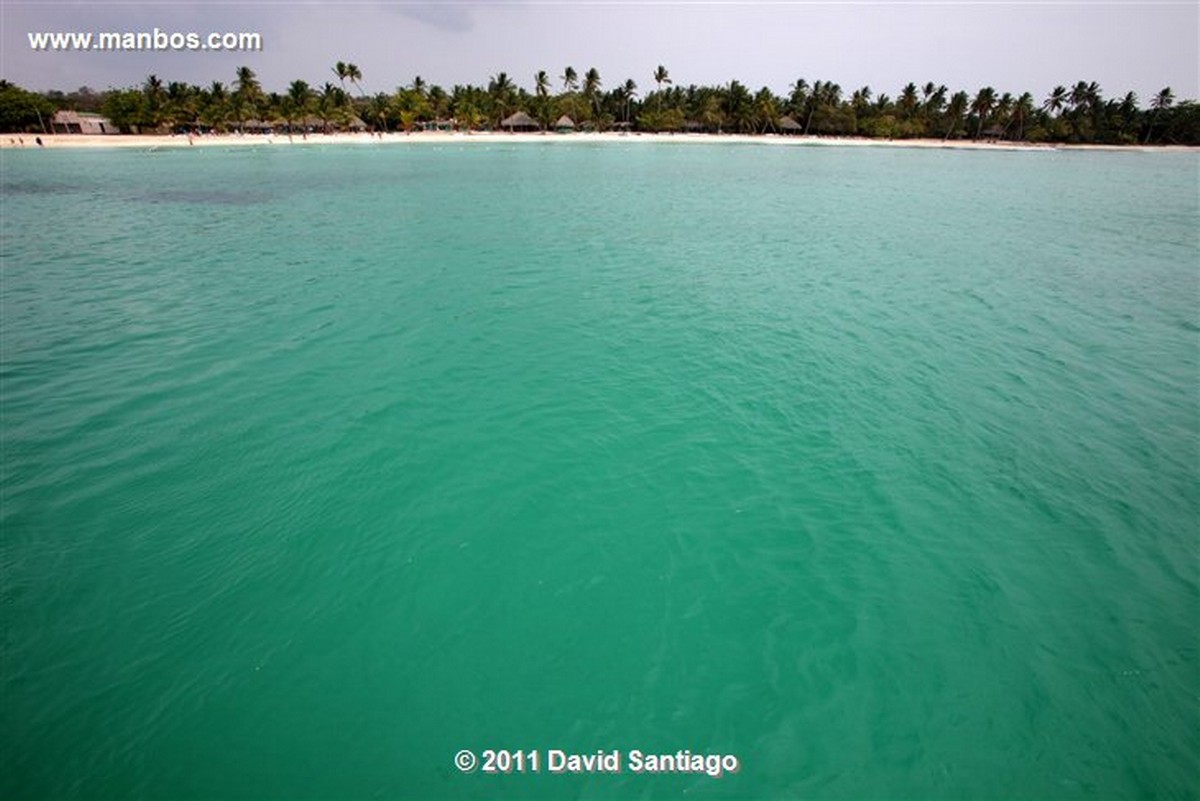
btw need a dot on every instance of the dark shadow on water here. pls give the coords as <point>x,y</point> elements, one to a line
<point>208,197</point>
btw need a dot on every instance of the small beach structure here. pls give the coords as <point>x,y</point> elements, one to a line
<point>520,122</point>
<point>81,122</point>
<point>789,126</point>
<point>314,124</point>
<point>564,124</point>
<point>254,126</point>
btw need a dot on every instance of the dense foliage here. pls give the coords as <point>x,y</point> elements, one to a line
<point>1076,114</point>
<point>21,110</point>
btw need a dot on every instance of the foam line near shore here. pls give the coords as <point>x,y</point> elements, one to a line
<point>86,141</point>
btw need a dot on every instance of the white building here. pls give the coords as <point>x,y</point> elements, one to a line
<point>81,122</point>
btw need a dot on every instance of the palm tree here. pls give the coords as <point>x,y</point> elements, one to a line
<point>1084,97</point>
<point>1004,108</point>
<point>247,94</point>
<point>354,75</point>
<point>826,97</point>
<point>934,103</point>
<point>739,107</point>
<point>1022,111</point>
<point>469,116</point>
<point>908,100</point>
<point>710,112</point>
<point>798,97</point>
<point>330,101</point>
<point>181,104</point>
<point>501,89</point>
<point>860,102</point>
<point>152,89</point>
<point>766,109</point>
<point>628,92</point>
<point>1056,100</point>
<point>419,85</point>
<point>216,105</point>
<point>296,104</point>
<point>570,80</point>
<point>339,69</point>
<point>1127,110</point>
<point>1164,99</point>
<point>661,76</point>
<point>591,90</point>
<point>811,102</point>
<point>954,111</point>
<point>541,87</point>
<point>983,104</point>
<point>833,99</point>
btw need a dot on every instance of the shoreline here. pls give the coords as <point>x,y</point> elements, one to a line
<point>153,142</point>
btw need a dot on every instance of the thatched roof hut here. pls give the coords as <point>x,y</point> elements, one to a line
<point>564,124</point>
<point>789,126</point>
<point>520,122</point>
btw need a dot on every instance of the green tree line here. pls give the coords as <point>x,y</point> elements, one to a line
<point>1080,113</point>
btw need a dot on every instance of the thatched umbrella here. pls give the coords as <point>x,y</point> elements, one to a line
<point>564,124</point>
<point>789,126</point>
<point>520,122</point>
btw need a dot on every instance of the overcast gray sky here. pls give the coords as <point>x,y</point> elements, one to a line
<point>1012,46</point>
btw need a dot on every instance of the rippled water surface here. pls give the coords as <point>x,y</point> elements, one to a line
<point>875,468</point>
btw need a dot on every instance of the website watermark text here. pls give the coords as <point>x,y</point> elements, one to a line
<point>156,40</point>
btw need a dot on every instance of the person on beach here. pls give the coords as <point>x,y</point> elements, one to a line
<point>39,142</point>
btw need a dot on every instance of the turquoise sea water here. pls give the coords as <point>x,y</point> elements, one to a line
<point>878,469</point>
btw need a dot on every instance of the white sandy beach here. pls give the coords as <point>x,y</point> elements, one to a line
<point>148,142</point>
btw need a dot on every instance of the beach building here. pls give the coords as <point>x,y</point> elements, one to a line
<point>564,124</point>
<point>520,122</point>
<point>255,126</point>
<point>789,126</point>
<point>81,122</point>
<point>314,124</point>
